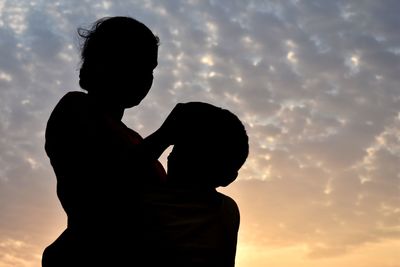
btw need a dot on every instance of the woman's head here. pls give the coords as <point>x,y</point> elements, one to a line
<point>118,57</point>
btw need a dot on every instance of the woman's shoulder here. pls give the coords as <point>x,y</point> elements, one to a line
<point>73,99</point>
<point>70,107</point>
<point>75,95</point>
<point>70,102</point>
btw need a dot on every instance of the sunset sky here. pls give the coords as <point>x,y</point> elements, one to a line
<point>316,83</point>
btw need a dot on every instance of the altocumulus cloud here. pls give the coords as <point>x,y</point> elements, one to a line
<point>315,82</point>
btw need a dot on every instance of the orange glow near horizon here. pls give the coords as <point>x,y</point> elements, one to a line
<point>256,253</point>
<point>384,253</point>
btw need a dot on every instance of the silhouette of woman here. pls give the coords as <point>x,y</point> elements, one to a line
<point>97,160</point>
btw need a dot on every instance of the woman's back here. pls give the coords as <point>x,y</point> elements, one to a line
<point>99,177</point>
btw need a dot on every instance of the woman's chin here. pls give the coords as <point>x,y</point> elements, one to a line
<point>132,103</point>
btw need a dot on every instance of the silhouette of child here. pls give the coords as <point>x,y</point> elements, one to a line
<point>188,222</point>
<point>98,162</point>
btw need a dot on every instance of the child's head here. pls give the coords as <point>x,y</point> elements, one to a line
<point>118,57</point>
<point>210,148</point>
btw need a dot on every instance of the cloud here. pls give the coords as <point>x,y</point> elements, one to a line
<point>316,85</point>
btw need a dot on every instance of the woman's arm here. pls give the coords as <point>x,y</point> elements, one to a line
<point>156,143</point>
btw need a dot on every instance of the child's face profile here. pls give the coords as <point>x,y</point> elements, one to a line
<point>183,163</point>
<point>189,163</point>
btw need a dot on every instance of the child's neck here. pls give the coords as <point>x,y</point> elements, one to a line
<point>183,183</point>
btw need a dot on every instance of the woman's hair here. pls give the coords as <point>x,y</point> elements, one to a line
<point>111,40</point>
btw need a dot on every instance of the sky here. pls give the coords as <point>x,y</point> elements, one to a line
<point>316,83</point>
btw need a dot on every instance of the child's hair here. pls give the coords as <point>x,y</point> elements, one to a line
<point>216,138</point>
<point>109,40</point>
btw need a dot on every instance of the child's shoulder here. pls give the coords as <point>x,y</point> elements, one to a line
<point>230,213</point>
<point>228,203</point>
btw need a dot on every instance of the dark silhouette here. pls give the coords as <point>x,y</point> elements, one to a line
<point>122,208</point>
<point>189,223</point>
<point>100,164</point>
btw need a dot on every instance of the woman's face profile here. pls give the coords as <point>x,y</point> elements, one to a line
<point>129,78</point>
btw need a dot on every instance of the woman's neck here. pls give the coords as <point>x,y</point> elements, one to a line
<point>106,106</point>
